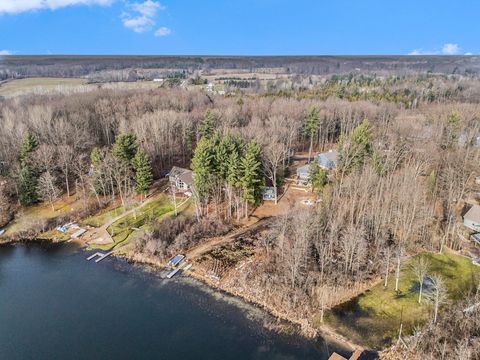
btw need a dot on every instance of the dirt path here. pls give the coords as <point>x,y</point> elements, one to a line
<point>217,241</point>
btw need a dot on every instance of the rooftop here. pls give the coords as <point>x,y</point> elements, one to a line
<point>473,214</point>
<point>182,174</point>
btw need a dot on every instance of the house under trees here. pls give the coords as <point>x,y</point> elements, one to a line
<point>181,179</point>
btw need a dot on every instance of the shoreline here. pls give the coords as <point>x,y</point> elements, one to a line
<point>303,328</point>
<point>149,264</point>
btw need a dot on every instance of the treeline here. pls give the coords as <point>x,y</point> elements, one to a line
<point>75,66</point>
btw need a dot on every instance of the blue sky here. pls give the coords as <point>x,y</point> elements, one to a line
<point>239,27</point>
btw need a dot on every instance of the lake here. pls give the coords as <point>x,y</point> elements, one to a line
<point>56,305</point>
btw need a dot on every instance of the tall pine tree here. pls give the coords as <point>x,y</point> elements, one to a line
<point>143,172</point>
<point>27,176</point>
<point>203,167</point>
<point>125,147</point>
<point>252,178</point>
<point>207,126</point>
<point>355,148</point>
<point>29,145</point>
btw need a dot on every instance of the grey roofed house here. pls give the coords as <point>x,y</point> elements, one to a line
<point>181,178</point>
<point>303,172</point>
<point>328,160</point>
<point>471,219</point>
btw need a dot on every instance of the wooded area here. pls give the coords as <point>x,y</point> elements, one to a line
<point>407,162</point>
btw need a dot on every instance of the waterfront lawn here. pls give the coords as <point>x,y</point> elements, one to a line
<point>103,217</point>
<point>35,216</point>
<point>125,229</point>
<point>373,318</point>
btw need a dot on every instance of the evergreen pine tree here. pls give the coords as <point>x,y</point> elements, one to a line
<point>96,156</point>
<point>207,126</point>
<point>125,147</point>
<point>143,172</point>
<point>252,178</point>
<point>29,145</point>
<point>355,148</point>
<point>27,185</point>
<point>203,164</point>
<point>318,177</point>
<point>27,177</point>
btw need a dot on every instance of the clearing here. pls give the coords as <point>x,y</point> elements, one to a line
<point>374,317</point>
<point>38,84</point>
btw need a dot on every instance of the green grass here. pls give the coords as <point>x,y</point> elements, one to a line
<point>132,225</point>
<point>374,318</point>
<point>103,217</point>
<point>46,83</point>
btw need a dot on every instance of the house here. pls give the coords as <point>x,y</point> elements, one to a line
<point>303,175</point>
<point>181,179</point>
<point>471,219</point>
<point>328,160</point>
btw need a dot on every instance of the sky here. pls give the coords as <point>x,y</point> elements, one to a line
<point>239,27</point>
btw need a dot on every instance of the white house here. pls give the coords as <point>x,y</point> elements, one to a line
<point>181,178</point>
<point>472,218</point>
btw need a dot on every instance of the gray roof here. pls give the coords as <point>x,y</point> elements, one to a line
<point>305,169</point>
<point>473,214</point>
<point>330,155</point>
<point>182,174</point>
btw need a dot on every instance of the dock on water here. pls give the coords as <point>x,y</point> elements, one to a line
<point>100,256</point>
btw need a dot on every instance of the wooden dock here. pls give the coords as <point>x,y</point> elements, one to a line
<point>100,256</point>
<point>173,273</point>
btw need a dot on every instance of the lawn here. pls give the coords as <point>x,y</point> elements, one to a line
<point>33,216</point>
<point>132,225</point>
<point>373,319</point>
<point>46,83</point>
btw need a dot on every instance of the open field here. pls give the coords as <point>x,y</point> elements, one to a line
<point>374,318</point>
<point>41,85</point>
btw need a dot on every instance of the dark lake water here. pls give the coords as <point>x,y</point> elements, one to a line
<point>56,305</point>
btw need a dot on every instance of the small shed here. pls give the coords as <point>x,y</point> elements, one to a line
<point>269,193</point>
<point>328,160</point>
<point>471,219</point>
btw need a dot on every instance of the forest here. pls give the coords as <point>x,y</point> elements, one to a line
<point>409,153</point>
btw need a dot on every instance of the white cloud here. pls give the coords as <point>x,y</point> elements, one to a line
<point>19,6</point>
<point>447,49</point>
<point>141,16</point>
<point>450,49</point>
<point>5,52</point>
<point>163,31</point>
<point>139,24</point>
<point>468,53</point>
